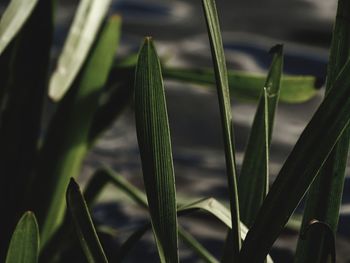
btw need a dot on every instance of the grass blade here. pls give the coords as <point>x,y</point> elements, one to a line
<point>219,62</point>
<point>254,177</point>
<point>13,19</point>
<point>294,89</point>
<point>196,246</point>
<point>155,149</point>
<point>316,229</point>
<point>24,245</point>
<point>325,194</point>
<point>67,140</point>
<point>210,205</point>
<point>83,225</point>
<point>300,169</point>
<point>83,32</point>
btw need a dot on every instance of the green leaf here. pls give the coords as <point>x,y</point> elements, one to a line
<point>196,246</point>
<point>316,229</point>
<point>254,177</point>
<point>13,19</point>
<point>24,245</point>
<point>300,169</point>
<point>67,140</point>
<point>220,70</point>
<point>155,149</point>
<point>82,34</point>
<point>103,176</point>
<point>325,194</point>
<point>294,89</point>
<point>83,224</point>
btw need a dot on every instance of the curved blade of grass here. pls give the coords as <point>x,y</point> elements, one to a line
<point>81,37</point>
<point>321,230</point>
<point>254,177</point>
<point>83,224</point>
<point>220,70</point>
<point>13,19</point>
<point>325,194</point>
<point>67,139</point>
<point>300,169</point>
<point>196,246</point>
<point>155,149</point>
<point>24,245</point>
<point>103,176</point>
<point>294,89</point>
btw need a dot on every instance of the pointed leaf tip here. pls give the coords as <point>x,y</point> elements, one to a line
<point>276,49</point>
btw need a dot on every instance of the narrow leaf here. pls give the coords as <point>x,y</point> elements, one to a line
<point>13,19</point>
<point>254,176</point>
<point>81,37</point>
<point>294,89</point>
<point>325,194</point>
<point>155,149</point>
<point>195,245</point>
<point>300,169</point>
<point>83,225</point>
<point>67,140</point>
<point>312,233</point>
<point>24,245</point>
<point>219,62</point>
<point>210,205</point>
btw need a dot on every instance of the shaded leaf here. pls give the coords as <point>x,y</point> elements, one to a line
<point>312,233</point>
<point>220,70</point>
<point>83,224</point>
<point>254,177</point>
<point>300,169</point>
<point>325,194</point>
<point>155,149</point>
<point>21,100</point>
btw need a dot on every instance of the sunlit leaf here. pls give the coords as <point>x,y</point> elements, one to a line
<point>82,34</point>
<point>24,245</point>
<point>13,19</point>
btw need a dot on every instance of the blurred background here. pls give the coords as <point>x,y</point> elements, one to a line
<point>250,29</point>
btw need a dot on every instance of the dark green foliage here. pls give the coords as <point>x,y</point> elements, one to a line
<point>155,148</point>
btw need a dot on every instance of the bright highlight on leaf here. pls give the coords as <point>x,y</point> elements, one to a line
<point>82,34</point>
<point>155,148</point>
<point>13,19</point>
<point>24,245</point>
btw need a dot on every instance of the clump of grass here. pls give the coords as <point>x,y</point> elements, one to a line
<point>90,91</point>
